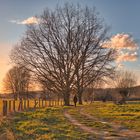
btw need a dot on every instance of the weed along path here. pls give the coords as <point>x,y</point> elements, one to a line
<point>103,130</point>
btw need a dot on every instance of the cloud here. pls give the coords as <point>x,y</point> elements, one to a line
<point>121,41</point>
<point>28,21</point>
<point>125,47</point>
<point>123,57</point>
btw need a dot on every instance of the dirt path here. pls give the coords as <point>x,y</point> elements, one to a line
<point>75,122</point>
<point>120,132</point>
<point>101,135</point>
<point>113,125</point>
<point>118,129</point>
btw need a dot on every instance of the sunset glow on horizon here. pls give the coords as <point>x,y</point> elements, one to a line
<point>4,62</point>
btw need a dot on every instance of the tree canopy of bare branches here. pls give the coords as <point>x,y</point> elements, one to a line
<point>17,81</point>
<point>124,81</point>
<point>65,50</point>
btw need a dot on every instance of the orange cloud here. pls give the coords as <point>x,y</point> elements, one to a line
<point>125,46</point>
<point>121,41</point>
<point>127,57</point>
<point>30,20</point>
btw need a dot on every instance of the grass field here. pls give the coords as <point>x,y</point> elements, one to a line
<point>50,123</point>
<point>127,115</point>
<point>42,124</point>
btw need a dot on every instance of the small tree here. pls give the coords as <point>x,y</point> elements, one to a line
<point>17,81</point>
<point>124,81</point>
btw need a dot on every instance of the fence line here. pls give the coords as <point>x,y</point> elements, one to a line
<point>11,106</point>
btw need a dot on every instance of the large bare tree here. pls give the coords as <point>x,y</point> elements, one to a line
<point>124,81</point>
<point>17,81</point>
<point>65,50</point>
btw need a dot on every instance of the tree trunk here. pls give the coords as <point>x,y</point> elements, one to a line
<point>80,97</point>
<point>123,101</point>
<point>67,99</point>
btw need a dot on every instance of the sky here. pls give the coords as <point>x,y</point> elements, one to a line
<point>121,15</point>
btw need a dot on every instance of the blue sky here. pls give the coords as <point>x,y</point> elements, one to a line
<point>121,15</point>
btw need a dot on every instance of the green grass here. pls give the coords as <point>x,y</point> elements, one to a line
<point>44,124</point>
<point>49,123</point>
<point>127,115</point>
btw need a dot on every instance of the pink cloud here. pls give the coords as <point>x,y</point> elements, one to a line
<point>121,41</point>
<point>127,57</point>
<point>30,20</point>
<point>125,46</point>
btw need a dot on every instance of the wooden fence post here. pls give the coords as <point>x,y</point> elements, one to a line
<point>9,106</point>
<point>4,108</point>
<point>24,104</point>
<point>42,103</point>
<point>39,103</point>
<point>35,104</point>
<point>28,104</point>
<point>45,103</point>
<point>21,104</point>
<point>14,109</point>
<point>20,107</point>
